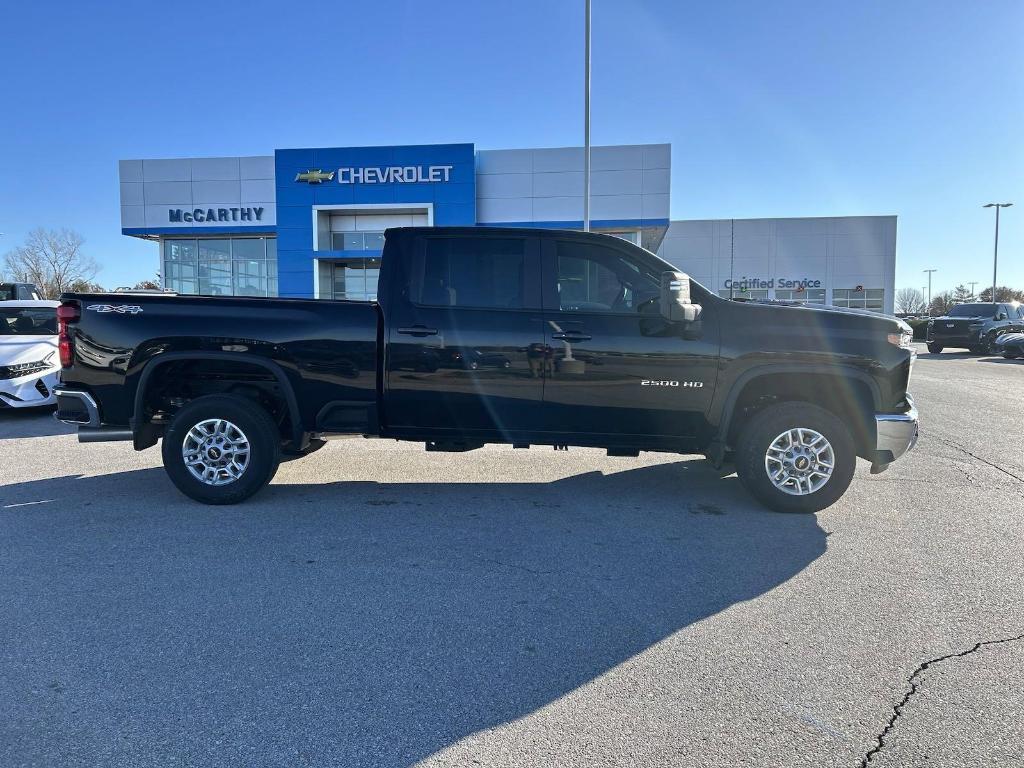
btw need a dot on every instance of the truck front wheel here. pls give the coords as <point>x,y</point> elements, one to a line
<point>795,457</point>
<point>220,449</point>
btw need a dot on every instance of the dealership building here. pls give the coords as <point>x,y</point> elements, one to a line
<point>310,222</point>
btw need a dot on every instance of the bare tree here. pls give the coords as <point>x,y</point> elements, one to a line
<point>941,304</point>
<point>53,260</point>
<point>909,301</point>
<point>147,285</point>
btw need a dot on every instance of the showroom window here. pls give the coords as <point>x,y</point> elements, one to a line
<point>351,279</point>
<point>357,241</point>
<point>221,266</point>
<point>859,298</point>
<point>751,294</point>
<point>806,296</point>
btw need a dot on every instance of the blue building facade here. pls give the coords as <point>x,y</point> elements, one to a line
<point>309,222</point>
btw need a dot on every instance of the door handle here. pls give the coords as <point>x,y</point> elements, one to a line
<point>571,336</point>
<point>418,330</point>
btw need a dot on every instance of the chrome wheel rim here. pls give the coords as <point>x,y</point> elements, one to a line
<point>799,461</point>
<point>216,452</point>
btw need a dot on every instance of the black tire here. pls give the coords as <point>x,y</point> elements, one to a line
<point>259,430</point>
<point>934,348</point>
<point>1010,355</point>
<point>765,427</point>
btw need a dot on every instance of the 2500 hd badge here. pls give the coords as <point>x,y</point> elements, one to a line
<point>656,383</point>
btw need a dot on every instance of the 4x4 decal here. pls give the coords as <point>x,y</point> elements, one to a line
<point>121,309</point>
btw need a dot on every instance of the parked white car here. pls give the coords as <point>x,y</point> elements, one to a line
<point>29,363</point>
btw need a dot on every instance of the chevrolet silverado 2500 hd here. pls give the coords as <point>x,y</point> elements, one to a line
<point>491,335</point>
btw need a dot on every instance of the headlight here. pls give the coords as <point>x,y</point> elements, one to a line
<point>25,369</point>
<point>902,339</point>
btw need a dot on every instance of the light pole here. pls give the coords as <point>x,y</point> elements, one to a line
<point>972,283</point>
<point>586,124</point>
<point>929,271</point>
<point>732,259</point>
<point>995,251</point>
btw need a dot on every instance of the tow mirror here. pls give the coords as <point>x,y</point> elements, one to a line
<point>676,306</point>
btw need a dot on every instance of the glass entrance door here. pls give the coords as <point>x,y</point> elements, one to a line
<point>355,279</point>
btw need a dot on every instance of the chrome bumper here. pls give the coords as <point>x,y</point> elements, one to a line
<point>897,434</point>
<point>87,414</point>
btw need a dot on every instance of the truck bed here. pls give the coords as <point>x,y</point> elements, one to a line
<point>327,350</point>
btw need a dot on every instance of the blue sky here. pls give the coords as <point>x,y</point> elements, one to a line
<point>773,109</point>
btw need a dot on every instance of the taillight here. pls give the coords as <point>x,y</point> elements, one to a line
<point>68,312</point>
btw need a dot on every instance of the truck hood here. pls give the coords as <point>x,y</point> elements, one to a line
<point>961,317</point>
<point>25,349</point>
<point>875,318</point>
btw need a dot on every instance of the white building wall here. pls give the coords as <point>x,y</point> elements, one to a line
<point>842,252</point>
<point>546,185</point>
<point>152,188</point>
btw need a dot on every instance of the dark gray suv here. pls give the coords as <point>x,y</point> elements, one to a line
<point>974,326</point>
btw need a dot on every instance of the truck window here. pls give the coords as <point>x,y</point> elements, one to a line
<point>598,279</point>
<point>483,272</point>
<point>28,322</point>
<point>972,310</point>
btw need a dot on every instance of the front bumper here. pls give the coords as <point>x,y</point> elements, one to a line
<point>29,391</point>
<point>896,434</point>
<point>959,339</point>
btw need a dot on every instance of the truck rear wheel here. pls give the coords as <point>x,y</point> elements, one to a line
<point>934,348</point>
<point>796,457</point>
<point>220,449</point>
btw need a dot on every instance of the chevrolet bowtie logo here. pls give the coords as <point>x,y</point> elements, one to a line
<point>314,177</point>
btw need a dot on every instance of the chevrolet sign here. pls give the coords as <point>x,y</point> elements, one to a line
<point>395,174</point>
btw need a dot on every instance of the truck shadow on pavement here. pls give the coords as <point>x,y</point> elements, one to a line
<point>16,423</point>
<point>353,623</point>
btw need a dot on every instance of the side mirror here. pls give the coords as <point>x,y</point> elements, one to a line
<point>1001,316</point>
<point>675,299</point>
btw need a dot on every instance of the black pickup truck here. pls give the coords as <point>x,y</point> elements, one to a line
<point>491,335</point>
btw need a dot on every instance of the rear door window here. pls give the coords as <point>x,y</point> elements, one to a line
<point>480,272</point>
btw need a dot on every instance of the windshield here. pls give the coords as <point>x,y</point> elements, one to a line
<point>972,310</point>
<point>35,321</point>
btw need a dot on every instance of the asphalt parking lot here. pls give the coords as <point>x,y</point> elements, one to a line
<point>379,605</point>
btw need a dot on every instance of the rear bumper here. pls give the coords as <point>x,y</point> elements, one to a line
<point>77,407</point>
<point>896,434</point>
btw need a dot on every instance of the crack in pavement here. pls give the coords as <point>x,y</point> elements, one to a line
<point>982,459</point>
<point>897,709</point>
